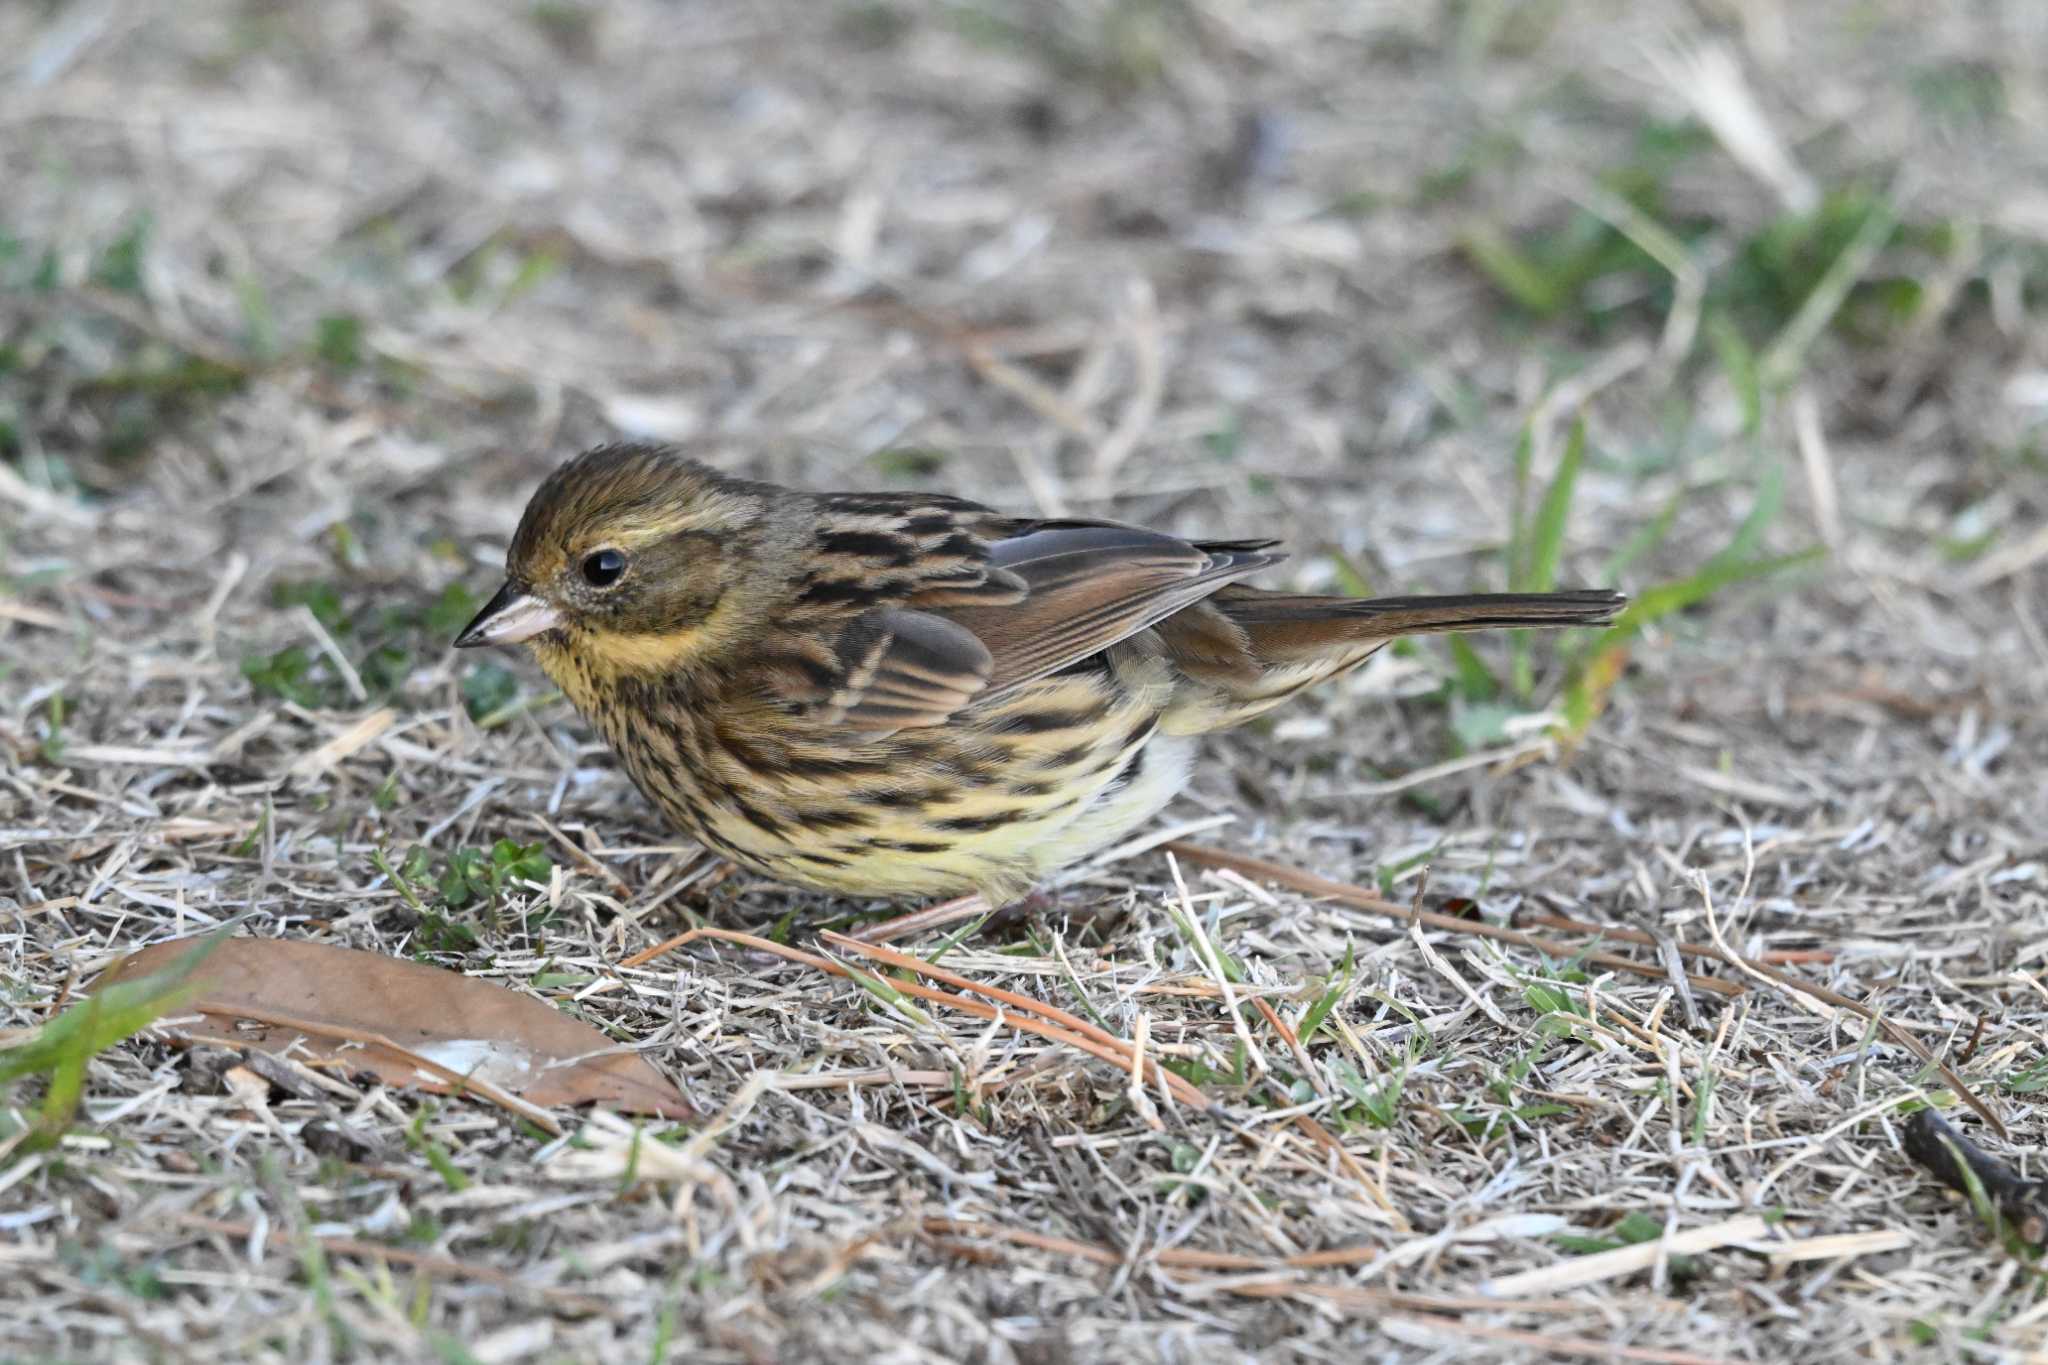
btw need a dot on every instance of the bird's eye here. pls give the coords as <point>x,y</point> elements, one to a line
<point>603,568</point>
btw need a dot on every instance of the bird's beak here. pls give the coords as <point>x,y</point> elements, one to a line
<point>515,614</point>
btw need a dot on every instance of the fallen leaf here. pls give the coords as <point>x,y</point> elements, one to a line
<point>367,1012</point>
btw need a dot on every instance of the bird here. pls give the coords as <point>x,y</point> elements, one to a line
<point>907,694</point>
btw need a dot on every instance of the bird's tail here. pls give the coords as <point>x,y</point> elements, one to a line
<point>1244,650</point>
<point>1283,625</point>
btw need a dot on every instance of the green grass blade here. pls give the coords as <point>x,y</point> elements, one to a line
<point>1601,664</point>
<point>1546,541</point>
<point>1475,681</point>
<point>108,1016</point>
<point>63,1047</point>
<point>1738,360</point>
<point>883,991</point>
<point>1518,524</point>
<point>1782,360</point>
<point>1665,598</point>
<point>1327,1001</point>
<point>1512,271</point>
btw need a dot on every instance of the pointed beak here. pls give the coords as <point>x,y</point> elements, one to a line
<point>515,614</point>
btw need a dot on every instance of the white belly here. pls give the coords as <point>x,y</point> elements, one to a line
<point>1118,810</point>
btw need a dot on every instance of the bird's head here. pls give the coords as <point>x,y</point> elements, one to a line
<point>629,559</point>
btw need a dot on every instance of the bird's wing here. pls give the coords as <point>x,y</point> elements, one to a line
<point>911,606</point>
<point>1092,584</point>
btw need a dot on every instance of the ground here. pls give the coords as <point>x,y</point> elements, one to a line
<point>1737,306</point>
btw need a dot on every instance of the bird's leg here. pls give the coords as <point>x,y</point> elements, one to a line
<point>952,912</point>
<point>1026,906</point>
<point>1086,918</point>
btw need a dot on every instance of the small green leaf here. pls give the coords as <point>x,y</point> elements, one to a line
<point>321,599</point>
<point>1633,1230</point>
<point>119,267</point>
<point>883,991</point>
<point>1379,1105</point>
<point>338,340</point>
<point>910,462</point>
<point>385,668</point>
<point>466,878</point>
<point>488,689</point>
<point>437,1156</point>
<point>512,861</point>
<point>2031,1081</point>
<point>1224,442</point>
<point>283,674</point>
<point>259,326</point>
<point>1548,999</point>
<point>1340,983</point>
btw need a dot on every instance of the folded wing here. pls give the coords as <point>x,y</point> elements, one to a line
<point>941,603</point>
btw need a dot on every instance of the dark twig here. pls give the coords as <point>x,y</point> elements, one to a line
<point>1934,1142</point>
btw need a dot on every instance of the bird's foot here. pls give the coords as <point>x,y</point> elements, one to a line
<point>953,912</point>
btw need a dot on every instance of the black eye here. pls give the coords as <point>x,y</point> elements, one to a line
<point>602,569</point>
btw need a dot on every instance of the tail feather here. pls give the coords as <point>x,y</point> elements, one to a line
<point>1285,626</point>
<point>1243,651</point>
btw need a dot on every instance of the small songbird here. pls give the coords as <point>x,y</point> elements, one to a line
<point>910,694</point>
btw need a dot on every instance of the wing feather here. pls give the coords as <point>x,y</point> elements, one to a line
<point>929,603</point>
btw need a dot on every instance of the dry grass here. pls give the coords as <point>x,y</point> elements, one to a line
<point>301,300</point>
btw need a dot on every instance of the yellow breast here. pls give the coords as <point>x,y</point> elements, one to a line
<point>993,801</point>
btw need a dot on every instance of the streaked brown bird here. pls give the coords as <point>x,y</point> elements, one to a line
<point>910,694</point>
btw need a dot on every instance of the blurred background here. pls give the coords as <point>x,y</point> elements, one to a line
<point>316,294</point>
<point>1734,304</point>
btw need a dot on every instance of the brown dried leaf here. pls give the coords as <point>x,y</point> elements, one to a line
<point>366,1012</point>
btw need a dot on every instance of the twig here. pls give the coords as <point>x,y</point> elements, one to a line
<point>1149,387</point>
<point>1607,1265</point>
<point>1141,1102</point>
<point>1820,467</point>
<point>318,628</point>
<point>1549,1344</point>
<point>1934,1142</point>
<point>1212,961</point>
<point>1178,1258</point>
<point>1310,1072</point>
<point>918,921</point>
